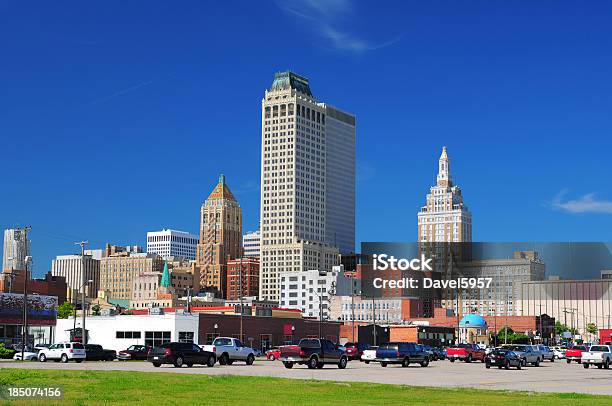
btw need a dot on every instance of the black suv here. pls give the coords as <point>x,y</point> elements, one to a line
<point>179,354</point>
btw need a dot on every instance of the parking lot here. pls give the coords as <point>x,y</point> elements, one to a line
<point>549,377</point>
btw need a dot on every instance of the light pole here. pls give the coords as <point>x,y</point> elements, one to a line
<point>240,295</point>
<point>76,295</point>
<point>292,334</point>
<point>24,336</point>
<point>216,327</point>
<point>83,334</point>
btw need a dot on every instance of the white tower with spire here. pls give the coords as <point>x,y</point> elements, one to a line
<point>445,217</point>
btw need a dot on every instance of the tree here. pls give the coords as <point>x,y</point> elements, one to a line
<point>560,328</point>
<point>518,338</point>
<point>503,336</point>
<point>95,310</point>
<point>592,329</point>
<point>65,310</point>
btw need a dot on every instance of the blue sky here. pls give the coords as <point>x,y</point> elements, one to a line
<point>117,117</point>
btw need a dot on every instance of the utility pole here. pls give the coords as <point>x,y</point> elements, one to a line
<point>24,336</point>
<point>240,295</point>
<point>374,319</point>
<point>541,333</point>
<point>353,306</point>
<point>83,334</point>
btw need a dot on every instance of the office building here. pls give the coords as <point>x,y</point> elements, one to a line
<point>16,248</point>
<point>507,275</point>
<point>172,243</point>
<point>307,182</point>
<point>251,244</point>
<point>220,237</point>
<point>78,270</point>
<point>308,291</point>
<point>242,278</point>
<point>119,268</point>
<point>445,217</point>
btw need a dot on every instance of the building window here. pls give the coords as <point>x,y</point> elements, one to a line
<point>127,334</point>
<point>156,338</point>
<point>185,337</point>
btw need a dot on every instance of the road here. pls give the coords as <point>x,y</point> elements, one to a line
<point>549,377</point>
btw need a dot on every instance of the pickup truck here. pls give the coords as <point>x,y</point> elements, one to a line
<point>229,349</point>
<point>401,353</point>
<point>95,352</point>
<point>466,352</point>
<point>575,353</point>
<point>314,353</point>
<point>600,355</point>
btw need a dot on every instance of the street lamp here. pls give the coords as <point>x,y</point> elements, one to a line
<point>216,327</point>
<point>24,336</point>
<point>292,333</point>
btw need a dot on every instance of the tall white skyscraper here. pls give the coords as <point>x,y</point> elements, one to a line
<point>16,248</point>
<point>172,243</point>
<point>307,182</point>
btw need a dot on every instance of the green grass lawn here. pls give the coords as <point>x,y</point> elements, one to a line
<point>115,387</point>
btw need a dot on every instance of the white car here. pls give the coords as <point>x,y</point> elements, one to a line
<point>30,354</point>
<point>369,355</point>
<point>558,352</point>
<point>63,352</point>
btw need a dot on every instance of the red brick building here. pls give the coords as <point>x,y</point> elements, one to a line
<point>50,285</point>
<point>249,269</point>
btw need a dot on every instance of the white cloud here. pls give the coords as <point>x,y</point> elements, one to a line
<point>325,17</point>
<point>587,203</point>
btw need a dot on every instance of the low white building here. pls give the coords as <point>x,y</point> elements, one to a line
<point>172,243</point>
<point>119,332</point>
<point>308,291</point>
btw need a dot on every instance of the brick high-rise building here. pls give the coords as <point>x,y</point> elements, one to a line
<point>248,268</point>
<point>220,237</point>
<point>307,182</point>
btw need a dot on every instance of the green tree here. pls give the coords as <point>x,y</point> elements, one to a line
<point>518,338</point>
<point>95,310</point>
<point>504,335</point>
<point>591,328</point>
<point>65,310</point>
<point>560,328</point>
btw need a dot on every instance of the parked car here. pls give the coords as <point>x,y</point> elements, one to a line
<point>600,355</point>
<point>257,352</point>
<point>575,353</point>
<point>229,349</point>
<point>439,353</point>
<point>559,352</point>
<point>134,352</point>
<point>64,352</point>
<point>503,358</point>
<point>179,354</point>
<point>314,353</point>
<point>30,354</point>
<point>354,350</point>
<point>526,352</point>
<point>547,353</point>
<point>95,352</point>
<point>428,350</point>
<point>273,354</point>
<point>401,353</point>
<point>369,355</point>
<point>466,352</point>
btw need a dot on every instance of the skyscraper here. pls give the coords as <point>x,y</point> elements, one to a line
<point>220,237</point>
<point>16,247</point>
<point>444,218</point>
<point>307,182</point>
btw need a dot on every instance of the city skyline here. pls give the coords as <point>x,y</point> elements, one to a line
<point>526,140</point>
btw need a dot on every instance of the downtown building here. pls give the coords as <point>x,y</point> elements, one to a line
<point>307,183</point>
<point>78,270</point>
<point>172,243</point>
<point>220,238</point>
<point>120,266</point>
<point>251,244</point>
<point>16,248</point>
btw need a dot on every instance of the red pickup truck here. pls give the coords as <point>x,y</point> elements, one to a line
<point>575,353</point>
<point>466,352</point>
